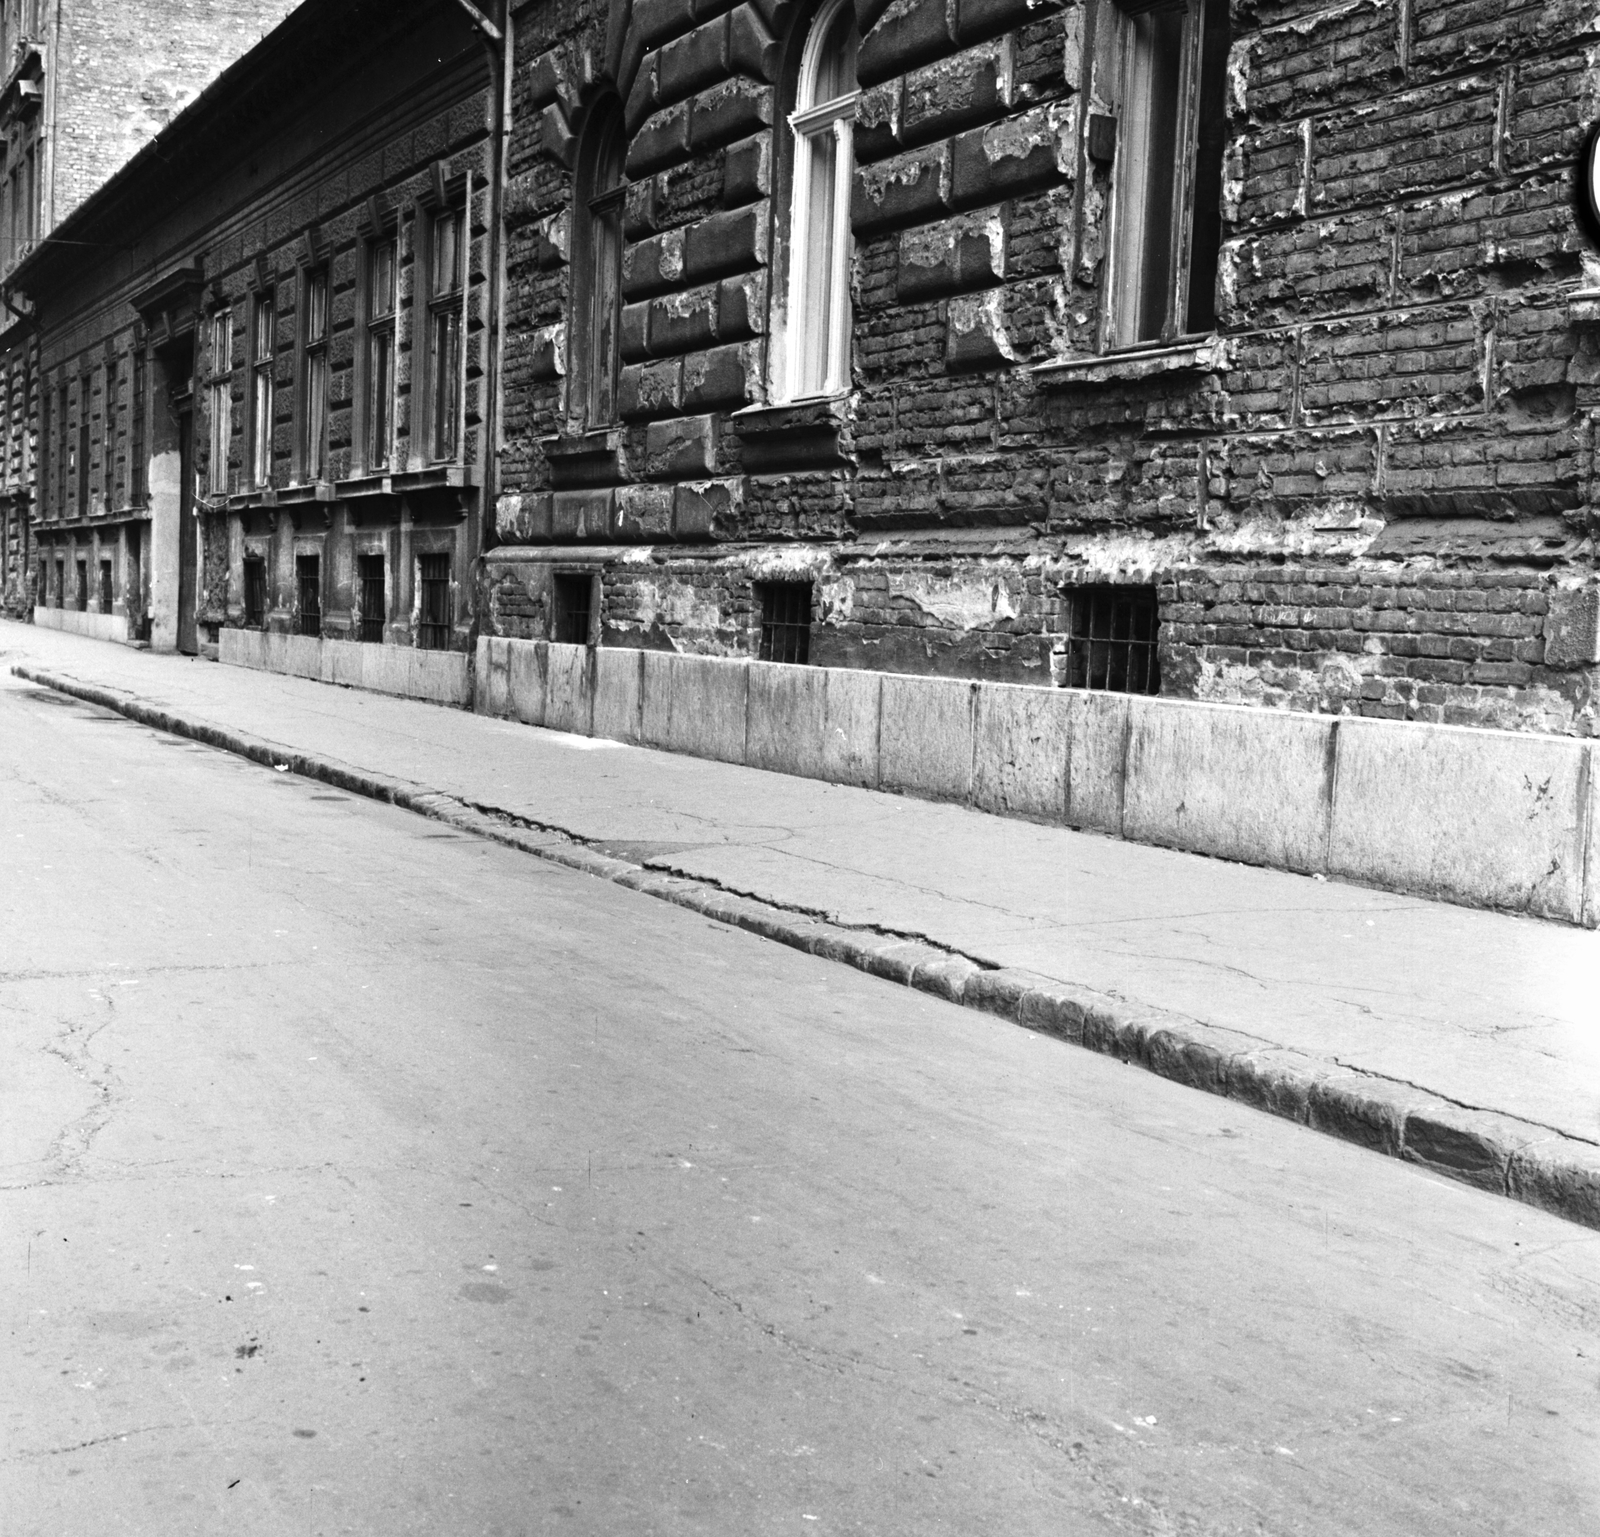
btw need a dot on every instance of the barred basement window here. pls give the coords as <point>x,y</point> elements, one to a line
<point>572,605</point>
<point>308,577</point>
<point>105,587</point>
<point>785,621</point>
<point>1169,66</point>
<point>374,597</point>
<point>1111,639</point>
<point>81,591</point>
<point>433,630</point>
<point>255,594</point>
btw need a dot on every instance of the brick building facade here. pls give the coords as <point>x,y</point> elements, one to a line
<point>82,87</point>
<point>261,350</point>
<point>1236,352</point>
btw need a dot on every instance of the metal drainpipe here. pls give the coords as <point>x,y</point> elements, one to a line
<point>47,134</point>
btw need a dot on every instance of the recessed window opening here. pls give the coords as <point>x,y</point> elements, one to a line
<point>314,400</point>
<point>374,597</point>
<point>81,459</point>
<point>105,587</point>
<point>220,400</point>
<point>262,402</point>
<point>1168,168</point>
<point>572,607</point>
<point>785,621</point>
<point>434,627</point>
<point>817,331</point>
<point>61,584</point>
<point>255,594</point>
<point>597,267</point>
<point>308,578</point>
<point>1112,635</point>
<point>81,590</point>
<point>446,286</point>
<point>382,260</point>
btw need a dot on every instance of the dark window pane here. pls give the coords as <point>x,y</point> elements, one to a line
<point>572,601</point>
<point>435,627</point>
<point>374,597</point>
<point>308,575</point>
<point>1112,635</point>
<point>785,621</point>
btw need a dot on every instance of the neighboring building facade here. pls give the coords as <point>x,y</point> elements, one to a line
<point>83,86</point>
<point>1234,352</point>
<point>260,349</point>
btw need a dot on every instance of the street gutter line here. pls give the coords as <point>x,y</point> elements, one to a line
<point>1503,1154</point>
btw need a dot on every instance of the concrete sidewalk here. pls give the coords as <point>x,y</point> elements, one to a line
<point>1465,1040</point>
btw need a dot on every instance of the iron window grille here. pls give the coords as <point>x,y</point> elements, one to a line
<point>262,394</point>
<point>105,587</point>
<point>1112,635</point>
<point>308,573</point>
<point>382,266</point>
<point>785,621</point>
<point>434,627</point>
<point>374,604</point>
<point>255,594</point>
<point>572,609</point>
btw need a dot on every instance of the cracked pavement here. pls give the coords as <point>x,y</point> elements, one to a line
<point>360,1177</point>
<point>1479,1008</point>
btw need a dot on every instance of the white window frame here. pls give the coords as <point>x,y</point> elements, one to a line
<point>263,384</point>
<point>808,122</point>
<point>220,401</point>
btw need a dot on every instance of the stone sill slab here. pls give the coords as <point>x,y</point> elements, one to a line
<point>1499,1153</point>
<point>1206,355</point>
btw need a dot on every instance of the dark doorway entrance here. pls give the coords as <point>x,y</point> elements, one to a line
<point>188,543</point>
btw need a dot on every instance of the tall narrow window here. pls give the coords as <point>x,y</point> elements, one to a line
<point>308,583</point>
<point>382,257</point>
<point>314,395</point>
<point>597,268</point>
<point>219,400</point>
<point>571,607</point>
<point>445,287</point>
<point>136,468</point>
<point>81,589</point>
<point>817,331</point>
<point>106,596</point>
<point>80,458</point>
<point>262,403</point>
<point>374,597</point>
<point>110,416</point>
<point>1168,171</point>
<point>255,593</point>
<point>433,632</point>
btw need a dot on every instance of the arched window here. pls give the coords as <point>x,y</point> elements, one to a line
<point>597,268</point>
<point>817,337</point>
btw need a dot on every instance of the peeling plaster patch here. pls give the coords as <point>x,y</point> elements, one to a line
<point>976,602</point>
<point>675,604</point>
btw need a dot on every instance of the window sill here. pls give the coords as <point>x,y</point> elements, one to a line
<point>457,477</point>
<point>1203,355</point>
<point>1583,307</point>
<point>790,416</point>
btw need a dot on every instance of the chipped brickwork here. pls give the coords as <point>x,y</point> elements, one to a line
<point>1362,499</point>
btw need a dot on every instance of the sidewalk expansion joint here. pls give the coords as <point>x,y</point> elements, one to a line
<point>1504,1154</point>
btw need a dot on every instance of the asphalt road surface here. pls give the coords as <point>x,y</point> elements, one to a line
<point>360,1177</point>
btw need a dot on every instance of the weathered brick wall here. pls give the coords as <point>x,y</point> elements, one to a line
<point>1396,425</point>
<point>126,70</point>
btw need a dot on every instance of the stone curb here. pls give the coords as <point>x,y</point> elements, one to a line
<point>1498,1153</point>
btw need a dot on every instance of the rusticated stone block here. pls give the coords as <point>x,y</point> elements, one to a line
<point>907,189</point>
<point>976,335</point>
<point>968,251</point>
<point>705,509</point>
<point>683,322</point>
<point>1014,156</point>
<point>747,171</point>
<point>583,514</point>
<point>644,512</point>
<point>646,390</point>
<point>729,111</point>
<point>908,33</point>
<point>681,448</point>
<point>723,377</point>
<point>653,266</point>
<point>974,86</point>
<point>731,241</point>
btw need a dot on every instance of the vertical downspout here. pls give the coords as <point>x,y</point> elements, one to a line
<point>47,134</point>
<point>501,73</point>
